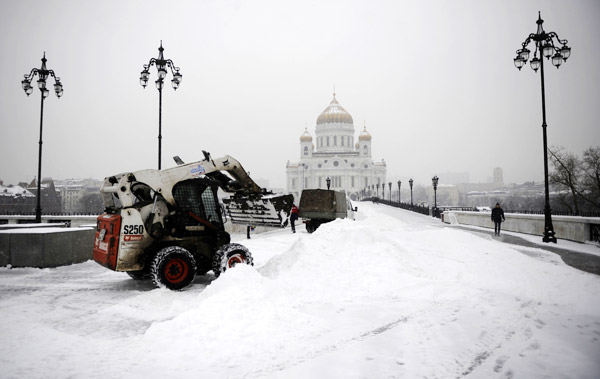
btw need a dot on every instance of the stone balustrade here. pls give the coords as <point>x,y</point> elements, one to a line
<point>573,228</point>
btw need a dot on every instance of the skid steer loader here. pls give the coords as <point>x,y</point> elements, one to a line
<point>168,225</point>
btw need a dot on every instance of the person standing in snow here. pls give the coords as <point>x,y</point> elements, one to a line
<point>294,217</point>
<point>497,218</point>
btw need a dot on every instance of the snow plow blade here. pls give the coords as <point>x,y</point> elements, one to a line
<point>264,210</point>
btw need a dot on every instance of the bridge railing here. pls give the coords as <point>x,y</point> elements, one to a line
<point>415,208</point>
<point>32,213</point>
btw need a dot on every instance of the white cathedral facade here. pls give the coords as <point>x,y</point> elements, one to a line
<point>334,154</point>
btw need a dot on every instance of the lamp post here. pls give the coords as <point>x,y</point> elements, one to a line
<point>161,66</point>
<point>390,185</point>
<point>544,43</point>
<point>377,189</point>
<point>328,182</point>
<point>434,181</point>
<point>399,196</point>
<point>43,73</point>
<point>383,191</point>
<point>410,183</point>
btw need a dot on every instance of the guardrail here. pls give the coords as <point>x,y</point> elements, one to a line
<point>556,213</point>
<point>8,213</point>
<point>414,208</point>
<point>69,219</point>
<point>574,228</point>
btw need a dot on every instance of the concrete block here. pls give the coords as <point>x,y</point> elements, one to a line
<point>58,249</point>
<point>83,245</point>
<point>27,250</point>
<point>4,250</point>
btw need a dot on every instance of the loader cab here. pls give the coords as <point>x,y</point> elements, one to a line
<point>198,208</point>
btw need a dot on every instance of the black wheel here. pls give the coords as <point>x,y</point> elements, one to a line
<point>313,226</point>
<point>140,275</point>
<point>229,255</point>
<point>173,267</point>
<point>309,227</point>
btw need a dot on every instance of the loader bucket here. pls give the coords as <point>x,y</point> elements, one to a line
<point>262,210</point>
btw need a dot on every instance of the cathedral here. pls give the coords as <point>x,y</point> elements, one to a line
<point>348,165</point>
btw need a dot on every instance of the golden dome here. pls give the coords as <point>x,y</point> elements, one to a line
<point>334,113</point>
<point>364,136</point>
<point>306,137</point>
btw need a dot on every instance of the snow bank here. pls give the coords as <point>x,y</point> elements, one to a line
<point>394,294</point>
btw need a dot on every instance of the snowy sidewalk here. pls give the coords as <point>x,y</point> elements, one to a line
<point>585,257</point>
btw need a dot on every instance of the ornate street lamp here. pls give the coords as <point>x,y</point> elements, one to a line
<point>545,45</point>
<point>390,185</point>
<point>383,191</point>
<point>328,182</point>
<point>434,181</point>
<point>377,189</point>
<point>161,65</point>
<point>410,183</point>
<point>399,196</point>
<point>43,73</point>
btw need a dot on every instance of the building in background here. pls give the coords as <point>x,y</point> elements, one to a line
<point>498,177</point>
<point>80,195</point>
<point>447,195</point>
<point>335,154</point>
<point>16,199</point>
<point>50,201</point>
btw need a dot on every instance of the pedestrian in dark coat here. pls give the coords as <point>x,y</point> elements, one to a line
<point>497,218</point>
<point>293,218</point>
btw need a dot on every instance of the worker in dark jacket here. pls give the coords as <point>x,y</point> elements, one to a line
<point>294,217</point>
<point>497,218</point>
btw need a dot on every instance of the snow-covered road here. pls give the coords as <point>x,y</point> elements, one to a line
<point>391,295</point>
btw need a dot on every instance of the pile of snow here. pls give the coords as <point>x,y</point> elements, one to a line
<point>393,294</point>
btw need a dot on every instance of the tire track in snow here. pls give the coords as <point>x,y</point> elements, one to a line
<point>519,323</point>
<point>370,333</point>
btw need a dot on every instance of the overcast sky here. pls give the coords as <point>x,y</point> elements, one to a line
<point>433,81</point>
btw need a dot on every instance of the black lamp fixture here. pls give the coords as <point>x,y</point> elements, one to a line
<point>390,185</point>
<point>43,74</point>
<point>434,181</point>
<point>410,183</point>
<point>161,65</point>
<point>399,196</point>
<point>547,47</point>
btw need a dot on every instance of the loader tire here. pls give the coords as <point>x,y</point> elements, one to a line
<point>228,256</point>
<point>173,267</point>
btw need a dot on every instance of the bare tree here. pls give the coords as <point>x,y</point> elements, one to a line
<point>566,175</point>
<point>591,176</point>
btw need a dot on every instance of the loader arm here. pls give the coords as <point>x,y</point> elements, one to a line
<point>162,181</point>
<point>248,205</point>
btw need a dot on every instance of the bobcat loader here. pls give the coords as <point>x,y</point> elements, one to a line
<point>168,225</point>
